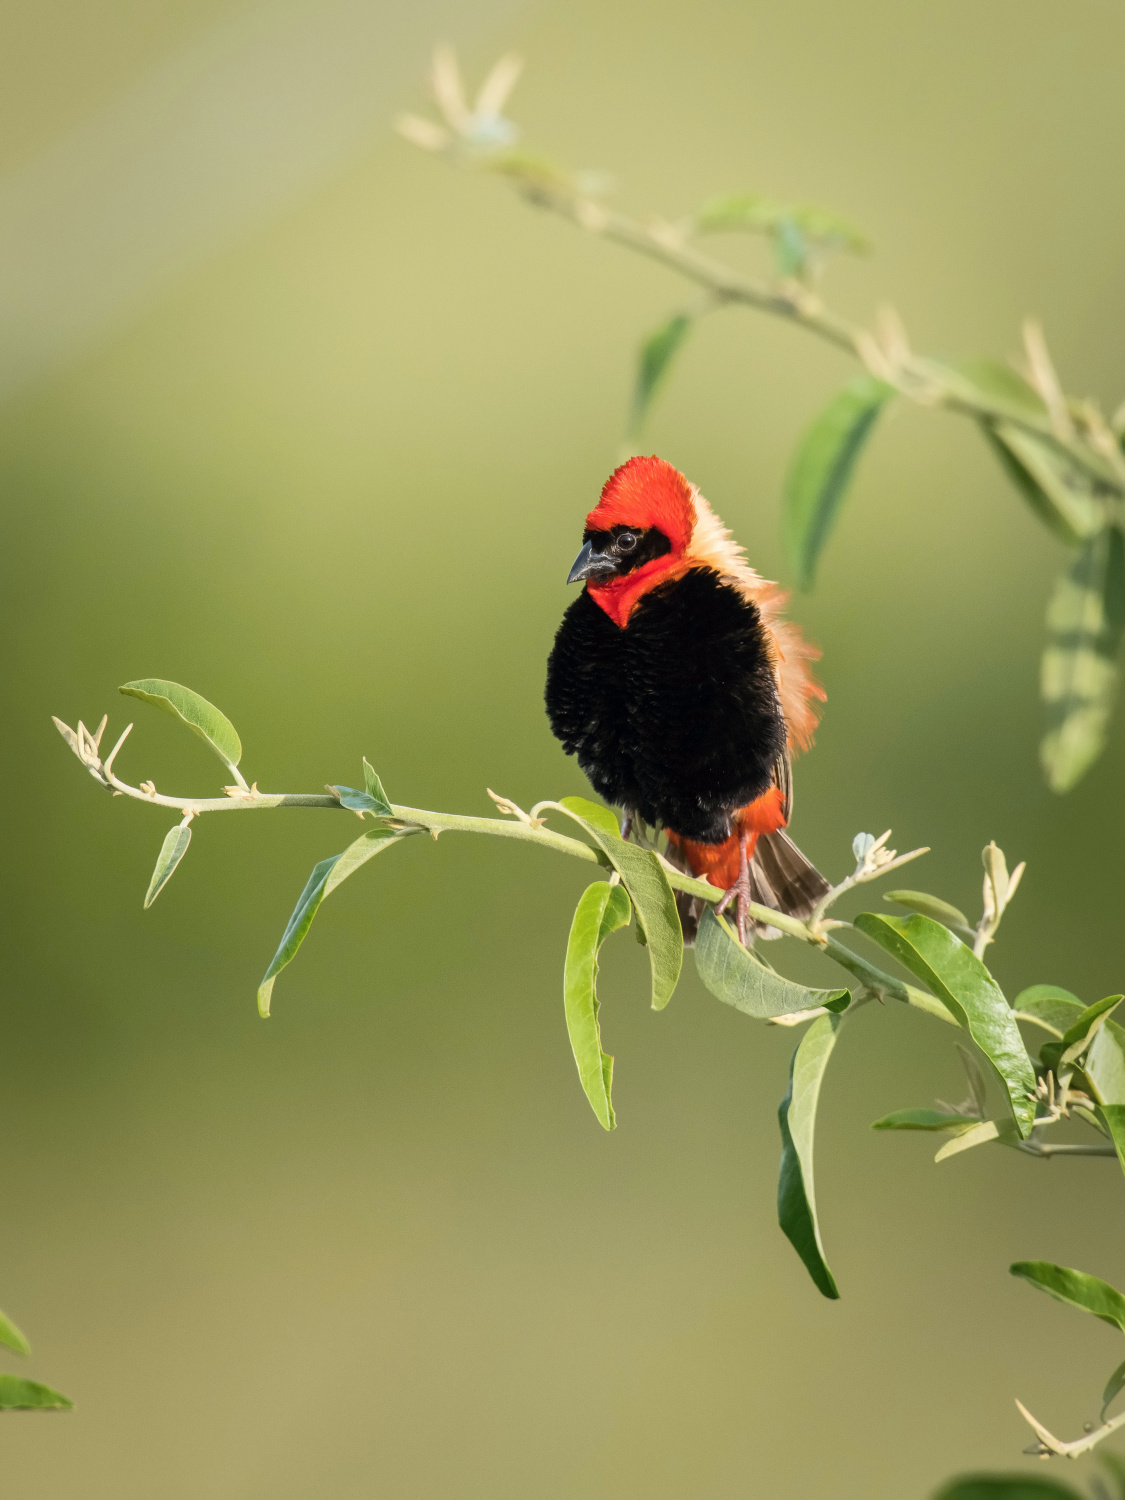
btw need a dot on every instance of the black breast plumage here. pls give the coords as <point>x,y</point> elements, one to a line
<point>676,716</point>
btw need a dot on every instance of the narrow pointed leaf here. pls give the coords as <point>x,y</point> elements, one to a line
<point>653,365</point>
<point>602,909</point>
<point>201,717</point>
<point>736,976</point>
<point>822,468</point>
<point>1005,1487</point>
<point>374,788</point>
<point>1086,1026</point>
<point>1067,499</point>
<point>1048,1006</point>
<point>929,906</point>
<point>326,876</point>
<point>648,888</point>
<point>1114,1117</point>
<point>923,1119</point>
<point>796,1201</point>
<point>29,1395</point>
<point>12,1336</point>
<point>172,850</point>
<point>1079,674</point>
<point>962,982</point>
<point>1075,1288</point>
<point>1113,1387</point>
<point>978,1134</point>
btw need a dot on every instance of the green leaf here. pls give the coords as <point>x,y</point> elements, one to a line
<point>1114,1117</point>
<point>326,876</point>
<point>654,361</point>
<point>12,1336</point>
<point>172,850</point>
<point>923,1119</point>
<point>1105,1064</point>
<point>602,909</point>
<point>978,1134</point>
<point>1005,1487</point>
<point>958,978</point>
<point>822,469</point>
<point>593,812</point>
<point>1086,1026</point>
<point>29,1395</point>
<point>1075,1288</point>
<point>796,1202</point>
<point>1048,1006</point>
<point>354,801</point>
<point>644,879</point>
<point>1066,498</point>
<point>1078,679</point>
<point>738,977</point>
<point>929,906</point>
<point>374,789</point>
<point>1113,1387</point>
<point>201,717</point>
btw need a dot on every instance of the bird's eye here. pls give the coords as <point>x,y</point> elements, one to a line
<point>626,541</point>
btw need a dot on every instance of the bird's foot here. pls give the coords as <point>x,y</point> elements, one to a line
<point>739,892</point>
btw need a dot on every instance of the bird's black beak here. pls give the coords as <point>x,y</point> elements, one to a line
<point>591,564</point>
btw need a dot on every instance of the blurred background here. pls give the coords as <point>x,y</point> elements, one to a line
<point>293,414</point>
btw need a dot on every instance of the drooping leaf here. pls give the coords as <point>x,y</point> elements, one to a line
<point>738,977</point>
<point>654,361</point>
<point>201,717</point>
<point>602,909</point>
<point>326,876</point>
<point>796,1201</point>
<point>1075,1288</point>
<point>648,888</point>
<point>374,788</point>
<point>28,1395</point>
<point>1114,1117</point>
<point>1078,680</point>
<point>172,850</point>
<point>12,1336</point>
<point>1048,1006</point>
<point>1113,1386</point>
<point>821,470</point>
<point>923,1119</point>
<point>1105,1065</point>
<point>1005,1487</point>
<point>1066,498</point>
<point>962,982</point>
<point>929,906</point>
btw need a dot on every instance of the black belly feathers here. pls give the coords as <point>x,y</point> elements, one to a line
<point>675,717</point>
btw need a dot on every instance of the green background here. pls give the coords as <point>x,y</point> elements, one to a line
<point>333,477</point>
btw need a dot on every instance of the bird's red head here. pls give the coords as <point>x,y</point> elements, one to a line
<point>636,536</point>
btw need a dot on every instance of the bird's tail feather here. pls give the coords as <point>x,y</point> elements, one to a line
<point>780,877</point>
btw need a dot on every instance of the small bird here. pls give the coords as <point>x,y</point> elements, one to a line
<point>684,693</point>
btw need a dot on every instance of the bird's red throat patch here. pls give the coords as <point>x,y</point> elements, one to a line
<point>643,493</point>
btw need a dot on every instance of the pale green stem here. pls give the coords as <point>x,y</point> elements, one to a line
<point>915,378</point>
<point>527,830</point>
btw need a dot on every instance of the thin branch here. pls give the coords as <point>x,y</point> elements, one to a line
<point>885,353</point>
<point>1049,1444</point>
<point>528,828</point>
